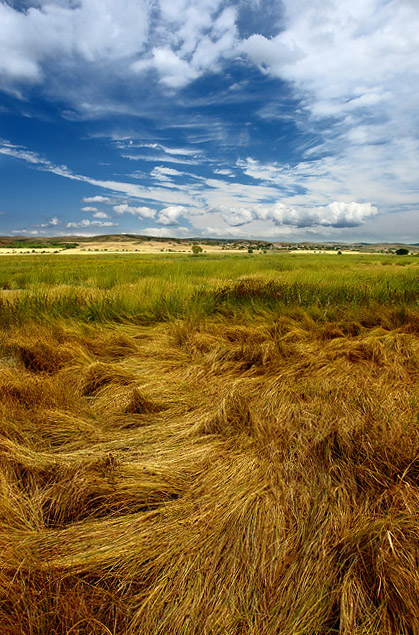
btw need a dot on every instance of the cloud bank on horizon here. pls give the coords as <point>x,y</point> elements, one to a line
<point>294,119</point>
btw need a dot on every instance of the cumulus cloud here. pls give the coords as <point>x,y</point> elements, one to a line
<point>342,55</point>
<point>90,223</point>
<point>96,30</point>
<point>24,232</point>
<point>170,215</point>
<point>53,222</point>
<point>197,36</point>
<point>174,71</point>
<point>239,216</point>
<point>142,212</point>
<point>97,199</point>
<point>88,208</point>
<point>337,214</point>
<point>100,214</point>
<point>352,64</point>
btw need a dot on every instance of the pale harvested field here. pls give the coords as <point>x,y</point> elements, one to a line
<point>148,247</point>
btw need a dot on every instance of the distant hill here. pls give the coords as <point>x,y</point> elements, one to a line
<point>68,242</point>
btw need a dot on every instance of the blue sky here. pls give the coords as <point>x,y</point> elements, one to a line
<point>276,119</point>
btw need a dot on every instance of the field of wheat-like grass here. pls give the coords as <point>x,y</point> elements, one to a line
<point>209,446</point>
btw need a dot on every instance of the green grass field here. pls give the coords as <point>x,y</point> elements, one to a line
<point>146,289</point>
<point>210,445</point>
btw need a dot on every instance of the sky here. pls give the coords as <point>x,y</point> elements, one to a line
<point>283,120</point>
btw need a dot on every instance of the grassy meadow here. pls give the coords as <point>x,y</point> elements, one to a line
<point>209,445</point>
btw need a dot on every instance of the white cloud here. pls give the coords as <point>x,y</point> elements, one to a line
<point>142,212</point>
<point>340,214</point>
<point>355,62</point>
<point>337,214</point>
<point>53,222</point>
<point>95,30</point>
<point>18,152</point>
<point>343,55</point>
<point>168,150</point>
<point>100,215</point>
<point>91,223</point>
<point>174,72</point>
<point>33,232</point>
<point>351,172</point>
<point>161,158</point>
<point>160,172</point>
<point>224,172</point>
<point>238,216</point>
<point>89,209</point>
<point>196,36</point>
<point>353,68</point>
<point>97,199</point>
<point>170,215</point>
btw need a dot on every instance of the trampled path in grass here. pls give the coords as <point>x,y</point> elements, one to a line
<point>246,468</point>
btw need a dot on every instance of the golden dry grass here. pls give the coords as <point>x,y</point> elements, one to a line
<point>210,477</point>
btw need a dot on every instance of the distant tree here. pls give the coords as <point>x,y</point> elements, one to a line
<point>339,253</point>
<point>250,250</point>
<point>196,249</point>
<point>402,251</point>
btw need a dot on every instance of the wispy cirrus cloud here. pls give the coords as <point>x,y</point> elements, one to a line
<point>133,190</point>
<point>18,152</point>
<point>168,150</point>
